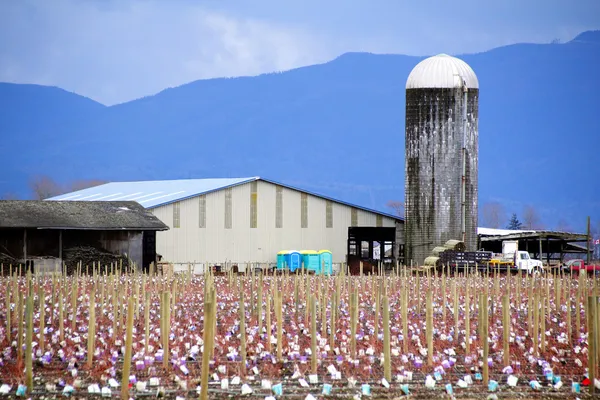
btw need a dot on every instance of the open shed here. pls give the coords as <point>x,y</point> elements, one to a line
<point>46,234</point>
<point>548,246</point>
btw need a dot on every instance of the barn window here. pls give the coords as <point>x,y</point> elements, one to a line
<point>279,207</point>
<point>176,216</point>
<point>329,214</point>
<point>228,209</point>
<point>379,221</point>
<point>254,204</point>
<point>354,217</point>
<point>304,210</point>
<point>202,211</point>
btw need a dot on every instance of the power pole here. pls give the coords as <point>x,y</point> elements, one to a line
<point>589,255</point>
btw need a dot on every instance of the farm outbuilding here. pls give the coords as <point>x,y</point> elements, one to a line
<point>248,220</point>
<point>47,235</point>
<point>550,247</point>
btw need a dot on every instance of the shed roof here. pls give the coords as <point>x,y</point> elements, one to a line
<point>78,215</point>
<point>152,194</point>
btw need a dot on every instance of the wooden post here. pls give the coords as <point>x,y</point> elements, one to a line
<point>242,333</point>
<point>506,327</point>
<point>269,326</point>
<point>20,328</point>
<point>208,317</point>
<point>146,322</point>
<point>278,296</point>
<point>429,329</point>
<point>467,319</point>
<point>128,350</point>
<point>591,315</point>
<point>28,344</point>
<point>8,322</point>
<point>167,327</point>
<point>91,328</point>
<point>353,321</point>
<point>405,316</point>
<point>485,332</point>
<point>313,335</point>
<point>259,303</point>
<point>42,301</point>
<point>387,362</point>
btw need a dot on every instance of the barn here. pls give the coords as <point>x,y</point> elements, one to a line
<point>249,220</point>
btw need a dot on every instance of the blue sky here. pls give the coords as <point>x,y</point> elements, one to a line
<point>118,50</point>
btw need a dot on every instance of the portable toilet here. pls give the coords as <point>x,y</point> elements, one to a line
<point>293,259</point>
<point>281,259</point>
<point>326,262</point>
<point>311,260</point>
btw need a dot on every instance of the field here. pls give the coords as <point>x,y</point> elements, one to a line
<point>470,335</point>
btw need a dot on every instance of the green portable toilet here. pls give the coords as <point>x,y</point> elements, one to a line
<point>281,258</point>
<point>326,262</point>
<point>311,260</point>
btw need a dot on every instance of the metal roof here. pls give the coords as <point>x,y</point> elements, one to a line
<point>152,194</point>
<point>442,71</point>
<point>78,215</point>
<point>498,232</point>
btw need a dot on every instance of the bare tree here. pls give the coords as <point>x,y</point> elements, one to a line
<point>531,219</point>
<point>563,226</point>
<point>397,206</point>
<point>84,184</point>
<point>493,215</point>
<point>9,196</point>
<point>44,187</point>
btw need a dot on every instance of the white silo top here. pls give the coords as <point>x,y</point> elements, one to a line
<point>441,71</point>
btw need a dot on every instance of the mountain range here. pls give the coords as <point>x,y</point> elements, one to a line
<point>335,128</point>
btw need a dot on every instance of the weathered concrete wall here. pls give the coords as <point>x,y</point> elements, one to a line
<point>433,169</point>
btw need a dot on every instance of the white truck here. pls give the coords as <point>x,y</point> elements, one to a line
<point>512,257</point>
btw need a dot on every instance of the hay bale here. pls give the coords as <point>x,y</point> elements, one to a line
<point>438,250</point>
<point>431,261</point>
<point>456,245</point>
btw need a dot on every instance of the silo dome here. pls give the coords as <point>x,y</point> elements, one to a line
<point>441,71</point>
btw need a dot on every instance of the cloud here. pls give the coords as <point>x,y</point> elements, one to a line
<point>116,51</point>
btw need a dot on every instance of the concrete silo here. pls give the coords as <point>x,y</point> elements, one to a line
<point>442,94</point>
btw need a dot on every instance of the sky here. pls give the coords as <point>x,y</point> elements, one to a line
<point>115,51</point>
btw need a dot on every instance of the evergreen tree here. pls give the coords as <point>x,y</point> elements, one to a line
<point>514,223</point>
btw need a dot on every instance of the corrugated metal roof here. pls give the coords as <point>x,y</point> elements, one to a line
<point>151,194</point>
<point>442,71</point>
<point>498,232</point>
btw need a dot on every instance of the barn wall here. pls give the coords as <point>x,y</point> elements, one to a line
<point>241,243</point>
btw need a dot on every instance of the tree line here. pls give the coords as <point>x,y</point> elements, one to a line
<point>493,215</point>
<point>43,187</point>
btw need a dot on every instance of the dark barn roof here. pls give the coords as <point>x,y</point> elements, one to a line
<point>78,215</point>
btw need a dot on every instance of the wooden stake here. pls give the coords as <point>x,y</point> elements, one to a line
<point>208,310</point>
<point>28,344</point>
<point>128,350</point>
<point>387,362</point>
<point>429,328</point>
<point>506,327</point>
<point>313,335</point>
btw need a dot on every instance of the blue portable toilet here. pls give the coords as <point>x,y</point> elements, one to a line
<point>293,259</point>
<point>311,260</point>
<point>326,262</point>
<point>281,259</point>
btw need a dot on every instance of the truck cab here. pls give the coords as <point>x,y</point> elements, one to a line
<point>523,261</point>
<point>579,264</point>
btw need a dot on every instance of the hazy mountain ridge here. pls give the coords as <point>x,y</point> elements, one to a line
<point>342,121</point>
